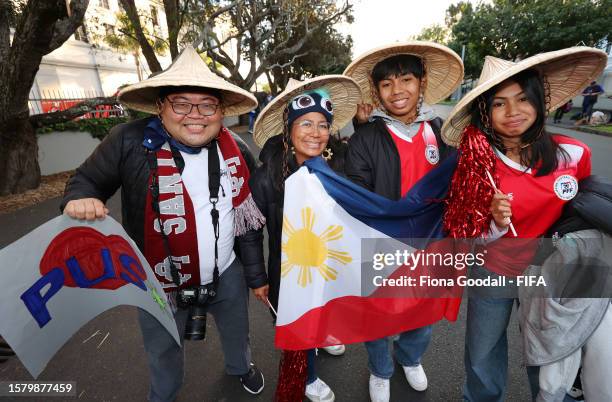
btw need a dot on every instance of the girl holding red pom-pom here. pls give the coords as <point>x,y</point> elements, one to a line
<point>511,171</point>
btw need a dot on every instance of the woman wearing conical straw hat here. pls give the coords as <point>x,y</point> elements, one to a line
<point>396,145</point>
<point>512,180</point>
<point>299,124</point>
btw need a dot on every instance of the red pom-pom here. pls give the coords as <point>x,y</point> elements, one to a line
<point>467,213</point>
<point>292,375</point>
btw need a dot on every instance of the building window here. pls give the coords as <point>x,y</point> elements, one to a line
<point>154,15</point>
<point>79,34</point>
<point>104,4</point>
<point>110,29</point>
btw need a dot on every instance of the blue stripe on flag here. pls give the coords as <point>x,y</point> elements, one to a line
<point>417,215</point>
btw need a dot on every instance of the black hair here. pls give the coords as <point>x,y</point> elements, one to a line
<point>400,64</point>
<point>169,90</point>
<point>541,152</point>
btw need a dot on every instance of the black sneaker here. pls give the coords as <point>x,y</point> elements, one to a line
<point>253,381</point>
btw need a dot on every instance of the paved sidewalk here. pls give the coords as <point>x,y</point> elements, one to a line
<point>116,370</point>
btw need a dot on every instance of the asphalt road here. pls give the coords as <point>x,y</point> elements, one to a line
<point>116,369</point>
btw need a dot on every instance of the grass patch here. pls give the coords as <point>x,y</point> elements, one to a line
<point>606,128</point>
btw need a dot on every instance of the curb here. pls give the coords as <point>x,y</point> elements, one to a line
<point>593,131</point>
<point>590,130</point>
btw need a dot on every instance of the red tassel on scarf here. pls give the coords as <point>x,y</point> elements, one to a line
<point>292,375</point>
<point>467,214</point>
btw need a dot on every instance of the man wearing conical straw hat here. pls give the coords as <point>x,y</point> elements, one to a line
<point>513,174</point>
<point>397,143</point>
<point>186,203</point>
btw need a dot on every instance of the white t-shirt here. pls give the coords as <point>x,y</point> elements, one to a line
<point>195,178</point>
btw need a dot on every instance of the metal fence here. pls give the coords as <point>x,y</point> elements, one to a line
<point>54,100</point>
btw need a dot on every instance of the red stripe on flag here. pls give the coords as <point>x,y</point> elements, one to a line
<point>353,319</point>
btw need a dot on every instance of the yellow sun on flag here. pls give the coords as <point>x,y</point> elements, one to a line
<point>306,250</point>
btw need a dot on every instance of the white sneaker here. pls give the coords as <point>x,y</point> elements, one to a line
<point>335,350</point>
<point>416,377</point>
<point>380,390</point>
<point>318,391</point>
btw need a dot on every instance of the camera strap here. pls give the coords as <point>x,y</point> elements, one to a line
<point>154,188</point>
<point>214,183</point>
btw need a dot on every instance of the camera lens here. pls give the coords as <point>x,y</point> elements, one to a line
<point>195,328</point>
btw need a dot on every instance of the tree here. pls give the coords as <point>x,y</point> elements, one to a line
<point>516,29</point>
<point>184,19</point>
<point>125,40</point>
<point>434,33</point>
<point>41,26</point>
<point>267,34</point>
<point>271,33</point>
<point>325,52</point>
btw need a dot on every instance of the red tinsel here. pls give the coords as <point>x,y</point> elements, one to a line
<point>467,213</point>
<point>292,375</point>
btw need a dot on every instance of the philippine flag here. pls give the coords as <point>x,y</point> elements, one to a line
<point>331,227</point>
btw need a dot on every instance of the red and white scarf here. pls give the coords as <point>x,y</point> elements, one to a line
<point>178,217</point>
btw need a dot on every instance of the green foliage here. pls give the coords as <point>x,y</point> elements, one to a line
<point>98,128</point>
<point>327,51</point>
<point>124,39</point>
<point>434,33</point>
<point>516,29</point>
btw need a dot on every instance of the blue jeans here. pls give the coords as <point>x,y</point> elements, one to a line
<point>409,349</point>
<point>230,311</point>
<point>486,349</point>
<point>312,372</point>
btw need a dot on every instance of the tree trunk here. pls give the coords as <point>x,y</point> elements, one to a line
<point>19,169</point>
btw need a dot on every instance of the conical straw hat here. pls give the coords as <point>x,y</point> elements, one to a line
<point>568,71</point>
<point>189,69</point>
<point>443,68</point>
<point>344,93</point>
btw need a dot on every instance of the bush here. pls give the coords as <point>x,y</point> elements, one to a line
<point>98,128</point>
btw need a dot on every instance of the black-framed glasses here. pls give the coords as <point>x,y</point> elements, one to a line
<point>184,108</point>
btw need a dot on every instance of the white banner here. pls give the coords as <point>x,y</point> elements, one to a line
<point>65,273</point>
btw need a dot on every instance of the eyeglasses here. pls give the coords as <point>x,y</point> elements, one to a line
<point>308,126</point>
<point>205,109</point>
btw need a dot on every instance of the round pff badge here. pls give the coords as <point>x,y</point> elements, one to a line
<point>566,187</point>
<point>432,154</point>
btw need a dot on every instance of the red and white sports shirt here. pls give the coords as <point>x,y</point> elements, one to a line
<point>537,202</point>
<point>418,154</point>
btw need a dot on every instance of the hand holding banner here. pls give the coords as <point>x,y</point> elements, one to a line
<point>65,273</point>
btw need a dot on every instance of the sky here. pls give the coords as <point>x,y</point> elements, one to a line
<point>378,22</point>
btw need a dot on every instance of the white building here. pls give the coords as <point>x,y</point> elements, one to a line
<point>85,65</point>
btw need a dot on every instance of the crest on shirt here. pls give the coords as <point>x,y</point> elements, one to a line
<point>432,154</point>
<point>566,187</point>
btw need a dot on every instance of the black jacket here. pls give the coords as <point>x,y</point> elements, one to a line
<point>269,199</point>
<point>373,162</point>
<point>120,161</point>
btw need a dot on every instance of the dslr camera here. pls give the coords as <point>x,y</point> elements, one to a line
<point>195,299</point>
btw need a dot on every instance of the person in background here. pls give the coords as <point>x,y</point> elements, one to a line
<point>590,94</point>
<point>567,106</point>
